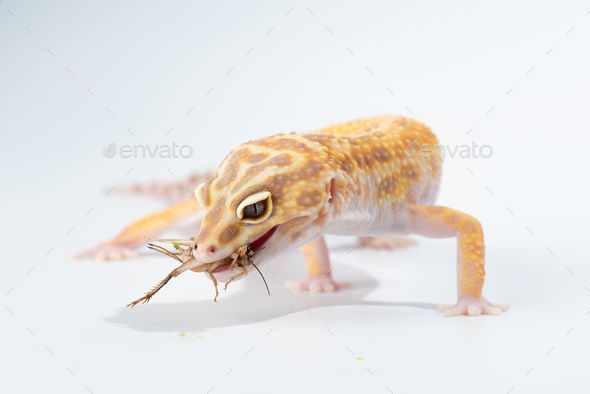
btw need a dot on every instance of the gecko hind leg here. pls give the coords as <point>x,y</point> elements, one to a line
<point>172,191</point>
<point>110,252</point>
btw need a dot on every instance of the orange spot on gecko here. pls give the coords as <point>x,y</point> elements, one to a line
<point>229,233</point>
<point>229,175</point>
<point>388,185</point>
<point>309,198</point>
<point>256,158</point>
<point>381,154</point>
<point>283,142</point>
<point>281,160</point>
<point>346,166</point>
<point>312,169</point>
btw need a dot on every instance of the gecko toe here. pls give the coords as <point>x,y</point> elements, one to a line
<point>317,284</point>
<point>472,306</point>
<point>473,310</point>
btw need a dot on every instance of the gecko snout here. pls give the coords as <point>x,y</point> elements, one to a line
<point>206,252</point>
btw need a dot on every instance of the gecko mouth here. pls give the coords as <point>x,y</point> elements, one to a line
<point>254,246</point>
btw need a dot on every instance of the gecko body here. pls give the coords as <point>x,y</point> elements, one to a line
<point>367,178</point>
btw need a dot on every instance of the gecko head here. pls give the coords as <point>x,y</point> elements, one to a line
<point>270,195</point>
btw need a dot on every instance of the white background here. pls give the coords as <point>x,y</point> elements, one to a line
<point>76,77</point>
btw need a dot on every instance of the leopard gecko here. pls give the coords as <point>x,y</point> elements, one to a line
<point>371,178</point>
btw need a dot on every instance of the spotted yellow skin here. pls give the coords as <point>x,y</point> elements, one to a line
<point>384,166</point>
<point>368,177</point>
<point>367,160</point>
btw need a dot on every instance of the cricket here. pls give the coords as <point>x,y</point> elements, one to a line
<point>183,253</point>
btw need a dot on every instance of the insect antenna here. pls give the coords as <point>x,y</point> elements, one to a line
<point>160,249</point>
<point>262,276</point>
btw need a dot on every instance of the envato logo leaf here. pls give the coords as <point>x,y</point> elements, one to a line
<point>110,150</point>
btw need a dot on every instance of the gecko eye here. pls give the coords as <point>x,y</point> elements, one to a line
<point>255,208</point>
<point>254,211</point>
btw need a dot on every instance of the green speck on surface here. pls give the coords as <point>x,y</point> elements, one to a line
<point>359,358</point>
<point>189,336</point>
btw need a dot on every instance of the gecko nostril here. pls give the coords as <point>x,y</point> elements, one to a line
<point>212,249</point>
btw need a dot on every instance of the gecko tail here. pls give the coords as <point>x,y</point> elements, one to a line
<point>165,190</point>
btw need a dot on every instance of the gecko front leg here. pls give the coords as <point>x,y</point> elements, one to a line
<point>317,260</point>
<point>127,242</point>
<point>442,222</point>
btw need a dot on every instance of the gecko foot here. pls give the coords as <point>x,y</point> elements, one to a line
<point>472,306</point>
<point>108,253</point>
<point>317,284</point>
<point>385,242</point>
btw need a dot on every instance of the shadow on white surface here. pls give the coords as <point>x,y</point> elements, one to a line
<point>249,304</point>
